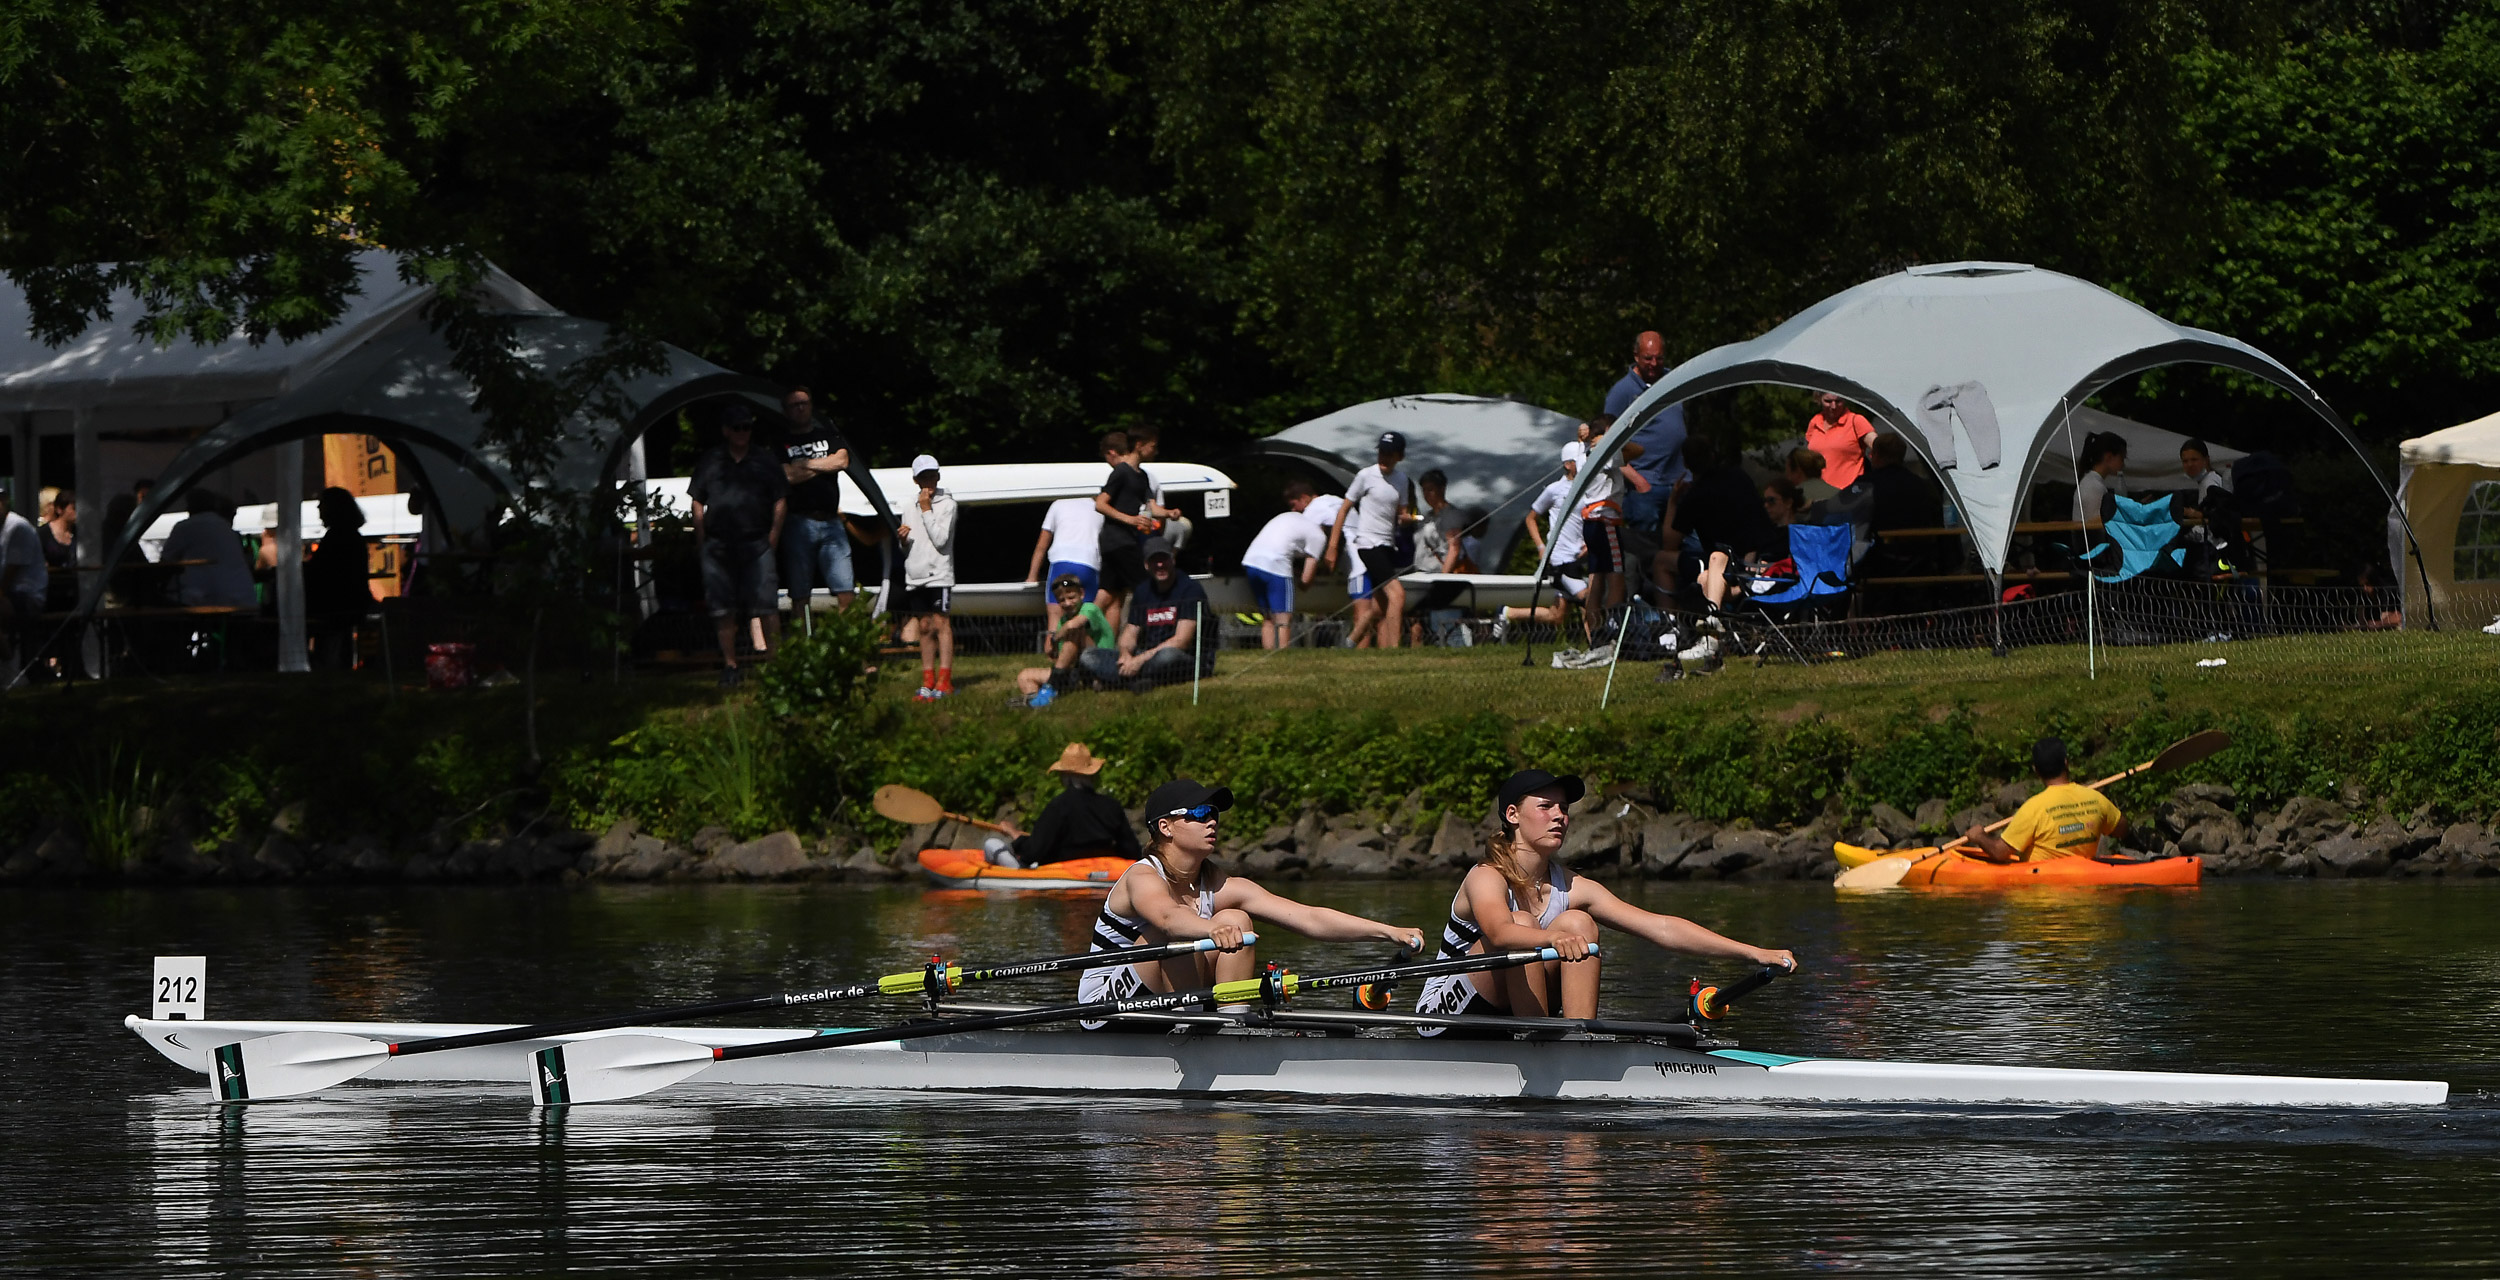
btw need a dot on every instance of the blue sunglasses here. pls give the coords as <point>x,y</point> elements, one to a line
<point>1196,813</point>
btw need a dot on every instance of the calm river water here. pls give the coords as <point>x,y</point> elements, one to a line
<point>110,1163</point>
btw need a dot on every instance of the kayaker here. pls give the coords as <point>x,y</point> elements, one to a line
<point>1519,897</point>
<point>1177,892</point>
<point>1079,822</point>
<point>2063,821</point>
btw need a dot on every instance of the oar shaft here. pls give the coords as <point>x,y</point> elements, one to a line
<point>1288,985</point>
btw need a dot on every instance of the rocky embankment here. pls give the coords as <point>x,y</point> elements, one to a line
<point>1619,833</point>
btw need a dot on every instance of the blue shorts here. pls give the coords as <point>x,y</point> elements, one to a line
<point>813,550</point>
<point>1272,591</point>
<point>1086,575</point>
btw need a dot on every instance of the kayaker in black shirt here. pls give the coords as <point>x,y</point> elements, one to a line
<point>1079,822</point>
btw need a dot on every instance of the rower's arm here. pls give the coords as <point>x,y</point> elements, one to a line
<point>1324,923</point>
<point>1674,933</point>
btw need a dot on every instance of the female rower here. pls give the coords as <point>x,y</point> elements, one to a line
<point>1176,892</point>
<point>1519,898</point>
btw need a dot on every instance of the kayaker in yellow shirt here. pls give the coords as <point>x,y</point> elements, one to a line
<point>2063,821</point>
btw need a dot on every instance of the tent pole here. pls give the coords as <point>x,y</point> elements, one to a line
<point>290,567</point>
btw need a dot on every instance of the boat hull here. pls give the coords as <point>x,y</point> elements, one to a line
<point>1945,869</point>
<point>970,869</point>
<point>1341,1066</point>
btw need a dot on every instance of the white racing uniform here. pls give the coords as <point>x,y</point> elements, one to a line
<point>1451,994</point>
<point>1116,932</point>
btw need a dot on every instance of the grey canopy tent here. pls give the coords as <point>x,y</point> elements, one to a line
<point>1980,366</point>
<point>1496,453</point>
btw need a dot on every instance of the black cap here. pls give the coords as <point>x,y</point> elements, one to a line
<point>1393,440</point>
<point>737,415</point>
<point>1530,780</point>
<point>1156,547</point>
<point>2048,757</point>
<point>1181,794</point>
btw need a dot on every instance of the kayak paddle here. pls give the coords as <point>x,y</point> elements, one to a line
<point>295,1062</point>
<point>613,1067</point>
<point>1885,872</point>
<point>912,807</point>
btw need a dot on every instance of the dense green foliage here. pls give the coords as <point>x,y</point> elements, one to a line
<point>995,226</point>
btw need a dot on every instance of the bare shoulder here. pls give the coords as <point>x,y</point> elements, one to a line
<point>1584,890</point>
<point>1232,890</point>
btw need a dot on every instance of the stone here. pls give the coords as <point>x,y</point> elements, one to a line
<point>1734,854</point>
<point>1454,843</point>
<point>771,857</point>
<point>2179,815</point>
<point>1869,838</point>
<point>2467,842</point>
<point>1308,827</point>
<point>866,865</point>
<point>2012,796</point>
<point>1896,825</point>
<point>1798,855</point>
<point>613,846</point>
<point>1668,842</point>
<point>572,843</point>
<point>648,858</point>
<point>290,820</point>
<point>1932,816</point>
<point>1276,837</point>
<point>2306,811</point>
<point>1356,854</point>
<point>278,854</point>
<point>2213,793</point>
<point>366,857</point>
<point>1266,860</point>
<point>1978,815</point>
<point>914,840</point>
<point>2213,836</point>
<point>184,860</point>
<point>711,840</point>
<point>2353,855</point>
<point>1598,840</point>
<point>951,834</point>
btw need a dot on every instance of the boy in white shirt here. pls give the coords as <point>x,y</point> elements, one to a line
<point>928,534</point>
<point>1269,563</point>
<point>1070,546</point>
<point>1376,504</point>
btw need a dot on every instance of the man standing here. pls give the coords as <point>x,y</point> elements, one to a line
<point>1157,645</point>
<point>814,544</point>
<point>1289,536</point>
<point>1840,435</point>
<point>740,499</point>
<point>928,534</point>
<point>1126,503</point>
<point>1376,503</point>
<point>1661,438</point>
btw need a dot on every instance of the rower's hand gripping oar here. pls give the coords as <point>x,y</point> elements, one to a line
<point>1887,871</point>
<point>616,1067</point>
<point>295,1062</point>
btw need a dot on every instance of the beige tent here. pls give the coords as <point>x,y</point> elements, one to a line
<point>2450,492</point>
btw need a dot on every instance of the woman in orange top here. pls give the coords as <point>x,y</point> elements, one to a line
<point>1840,436</point>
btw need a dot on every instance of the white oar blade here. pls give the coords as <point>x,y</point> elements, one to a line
<point>1882,873</point>
<point>612,1067</point>
<point>289,1063</point>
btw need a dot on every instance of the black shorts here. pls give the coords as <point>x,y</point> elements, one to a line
<point>738,578</point>
<point>1123,567</point>
<point>1605,547</point>
<point>926,601</point>
<point>1380,566</point>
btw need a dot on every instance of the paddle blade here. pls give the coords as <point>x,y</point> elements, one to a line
<point>289,1063</point>
<point>1882,873</point>
<point>2188,750</point>
<point>612,1067</point>
<point>903,804</point>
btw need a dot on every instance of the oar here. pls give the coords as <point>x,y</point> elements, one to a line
<point>612,1067</point>
<point>1711,1003</point>
<point>1885,872</point>
<point>905,805</point>
<point>294,1062</point>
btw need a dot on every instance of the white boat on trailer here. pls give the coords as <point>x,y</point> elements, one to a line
<point>1308,1055</point>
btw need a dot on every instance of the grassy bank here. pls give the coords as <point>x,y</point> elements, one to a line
<point>2402,721</point>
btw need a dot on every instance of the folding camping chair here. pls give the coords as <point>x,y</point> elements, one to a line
<point>1821,555</point>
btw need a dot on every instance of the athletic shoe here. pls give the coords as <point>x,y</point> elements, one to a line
<point>936,692</point>
<point>1707,651</point>
<point>2494,628</point>
<point>731,677</point>
<point>1501,627</point>
<point>926,694</point>
<point>1043,698</point>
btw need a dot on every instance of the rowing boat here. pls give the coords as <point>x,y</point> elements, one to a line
<point>1950,868</point>
<point>971,869</point>
<point>1312,1056</point>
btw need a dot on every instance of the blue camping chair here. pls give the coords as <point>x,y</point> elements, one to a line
<point>1821,554</point>
<point>2145,533</point>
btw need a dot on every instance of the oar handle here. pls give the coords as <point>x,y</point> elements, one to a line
<point>1711,1003</point>
<point>1284,986</point>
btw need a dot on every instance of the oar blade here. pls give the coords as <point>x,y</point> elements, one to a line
<point>904,804</point>
<point>609,1068</point>
<point>2188,750</point>
<point>289,1063</point>
<point>1882,873</point>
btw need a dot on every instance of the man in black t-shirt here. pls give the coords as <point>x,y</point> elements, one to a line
<point>1161,638</point>
<point>1127,506</point>
<point>814,545</point>
<point>740,498</point>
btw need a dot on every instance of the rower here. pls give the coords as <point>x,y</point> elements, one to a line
<point>1519,896</point>
<point>2063,821</point>
<point>1176,892</point>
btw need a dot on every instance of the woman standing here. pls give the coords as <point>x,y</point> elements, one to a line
<point>1519,898</point>
<point>1176,892</point>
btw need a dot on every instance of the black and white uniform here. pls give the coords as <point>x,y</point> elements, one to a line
<point>1116,932</point>
<point>1451,994</point>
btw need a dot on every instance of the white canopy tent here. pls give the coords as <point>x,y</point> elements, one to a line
<point>2449,494</point>
<point>1983,367</point>
<point>1496,453</point>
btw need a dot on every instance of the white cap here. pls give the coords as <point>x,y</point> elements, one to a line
<point>1575,452</point>
<point>923,465</point>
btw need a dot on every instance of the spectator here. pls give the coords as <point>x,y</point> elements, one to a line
<point>23,577</point>
<point>1079,822</point>
<point>1805,471</point>
<point>928,534</point>
<point>1070,546</point>
<point>1085,628</point>
<point>60,552</point>
<point>1126,505</point>
<point>1602,524</point>
<point>1376,504</point>
<point>2104,467</point>
<point>1441,546</point>
<point>1898,499</point>
<point>1147,442</point>
<point>1661,438</point>
<point>815,545</point>
<point>1724,515</point>
<point>1156,644</point>
<point>1841,436</point>
<point>1289,536</point>
<point>1558,555</point>
<point>338,592</point>
<point>740,498</point>
<point>222,576</point>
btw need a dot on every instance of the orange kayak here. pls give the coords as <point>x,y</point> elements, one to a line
<point>1944,868</point>
<point>968,869</point>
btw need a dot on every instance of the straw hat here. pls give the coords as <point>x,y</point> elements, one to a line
<point>1076,759</point>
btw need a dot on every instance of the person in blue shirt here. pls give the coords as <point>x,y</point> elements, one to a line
<point>1661,438</point>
